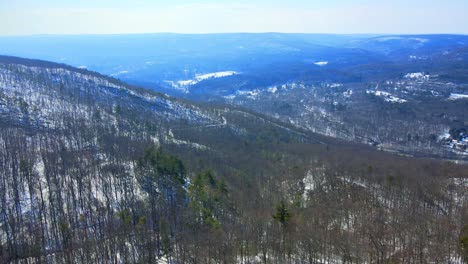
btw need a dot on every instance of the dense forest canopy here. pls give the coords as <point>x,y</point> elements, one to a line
<point>96,171</point>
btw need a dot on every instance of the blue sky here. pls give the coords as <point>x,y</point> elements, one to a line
<point>26,17</point>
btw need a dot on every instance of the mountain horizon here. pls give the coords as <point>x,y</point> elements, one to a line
<point>257,145</point>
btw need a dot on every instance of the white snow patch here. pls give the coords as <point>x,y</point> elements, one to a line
<point>120,73</point>
<point>202,77</point>
<point>170,138</point>
<point>273,89</point>
<point>230,97</point>
<point>348,93</point>
<point>387,96</point>
<point>417,75</point>
<point>334,85</point>
<point>250,94</point>
<point>321,63</point>
<point>455,96</point>
<point>309,184</point>
<point>444,136</point>
<point>187,82</point>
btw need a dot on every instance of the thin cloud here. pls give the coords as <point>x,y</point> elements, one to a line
<point>212,17</point>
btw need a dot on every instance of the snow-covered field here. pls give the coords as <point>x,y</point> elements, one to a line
<point>199,78</point>
<point>417,75</point>
<point>321,63</point>
<point>387,96</point>
<point>455,96</point>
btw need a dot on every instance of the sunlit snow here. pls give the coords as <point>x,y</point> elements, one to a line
<point>387,96</point>
<point>321,63</point>
<point>202,77</point>
<point>455,96</point>
<point>417,75</point>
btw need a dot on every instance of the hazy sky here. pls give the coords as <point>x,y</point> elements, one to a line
<point>25,17</point>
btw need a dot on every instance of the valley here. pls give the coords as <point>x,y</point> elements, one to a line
<point>234,148</point>
<point>97,171</point>
<point>398,93</point>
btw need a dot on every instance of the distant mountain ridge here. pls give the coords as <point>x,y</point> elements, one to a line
<point>337,76</point>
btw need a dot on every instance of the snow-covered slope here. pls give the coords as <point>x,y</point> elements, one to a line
<point>184,84</point>
<point>44,96</point>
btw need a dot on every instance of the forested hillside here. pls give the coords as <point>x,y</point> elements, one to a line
<point>96,171</point>
<point>401,93</point>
